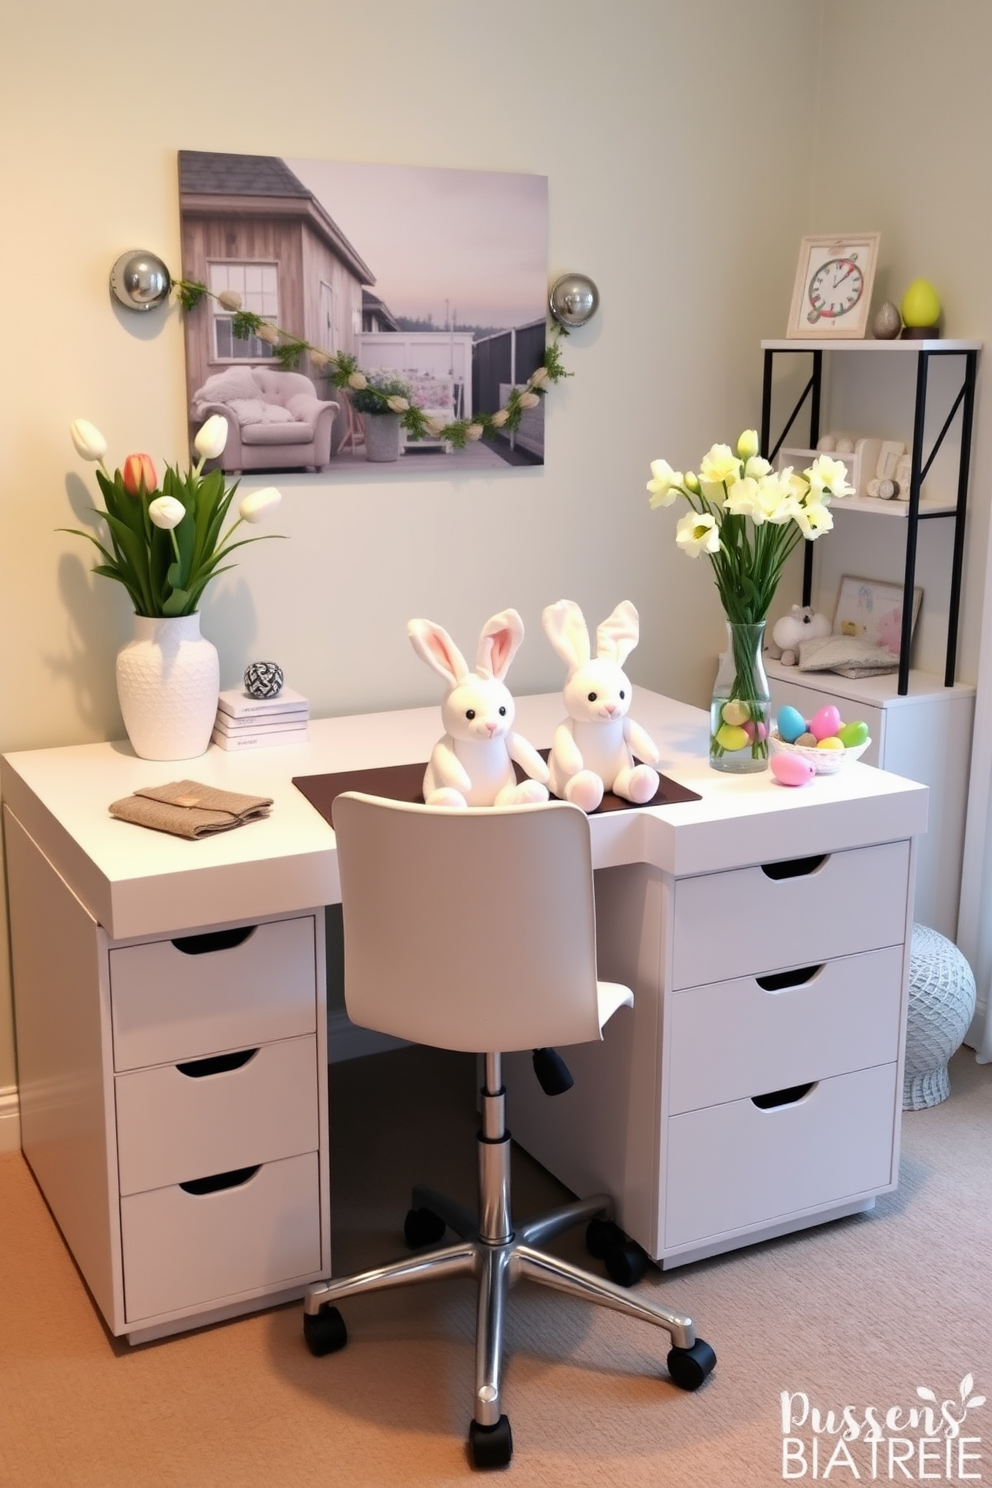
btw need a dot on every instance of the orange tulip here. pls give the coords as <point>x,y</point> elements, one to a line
<point>139,475</point>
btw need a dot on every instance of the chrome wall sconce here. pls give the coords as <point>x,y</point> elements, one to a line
<point>140,280</point>
<point>574,300</point>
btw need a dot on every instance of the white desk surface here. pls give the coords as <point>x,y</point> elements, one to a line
<point>136,882</point>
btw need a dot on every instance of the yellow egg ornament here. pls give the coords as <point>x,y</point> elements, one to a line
<point>920,308</point>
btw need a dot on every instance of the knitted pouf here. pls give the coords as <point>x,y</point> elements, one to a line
<point>941,1006</point>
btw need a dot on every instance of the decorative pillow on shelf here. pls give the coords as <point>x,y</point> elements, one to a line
<point>847,655</point>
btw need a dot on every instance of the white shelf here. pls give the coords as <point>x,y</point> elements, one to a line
<point>937,343</point>
<point>882,692</point>
<point>893,508</point>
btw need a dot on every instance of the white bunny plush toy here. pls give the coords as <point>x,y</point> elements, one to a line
<point>595,747</point>
<point>472,763</point>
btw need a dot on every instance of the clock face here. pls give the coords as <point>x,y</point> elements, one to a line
<point>835,289</point>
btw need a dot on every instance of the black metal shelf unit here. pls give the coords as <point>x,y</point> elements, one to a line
<point>963,404</point>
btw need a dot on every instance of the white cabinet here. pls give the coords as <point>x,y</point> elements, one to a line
<point>925,735</point>
<point>755,1086</point>
<point>173,1099</point>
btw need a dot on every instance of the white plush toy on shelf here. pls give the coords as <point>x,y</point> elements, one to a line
<point>596,747</point>
<point>472,763</point>
<point>802,623</point>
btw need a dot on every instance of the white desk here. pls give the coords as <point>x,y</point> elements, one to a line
<point>109,1008</point>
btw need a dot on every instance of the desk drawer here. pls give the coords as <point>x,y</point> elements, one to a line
<point>205,1249</point>
<point>850,901</point>
<point>736,1165</point>
<point>733,1039</point>
<point>181,999</point>
<point>177,1122</point>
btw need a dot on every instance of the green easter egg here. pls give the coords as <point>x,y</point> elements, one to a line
<point>731,738</point>
<point>920,304</point>
<point>735,713</point>
<point>853,734</point>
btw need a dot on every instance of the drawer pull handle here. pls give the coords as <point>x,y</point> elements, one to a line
<point>215,1064</point>
<point>213,940</point>
<point>793,867</point>
<point>786,1097</point>
<point>778,981</point>
<point>218,1181</point>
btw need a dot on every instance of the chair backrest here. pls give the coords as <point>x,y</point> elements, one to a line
<point>468,929</point>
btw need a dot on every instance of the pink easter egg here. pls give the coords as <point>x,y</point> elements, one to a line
<point>751,728</point>
<point>825,722</point>
<point>791,769</point>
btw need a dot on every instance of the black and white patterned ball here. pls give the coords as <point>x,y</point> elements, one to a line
<point>263,679</point>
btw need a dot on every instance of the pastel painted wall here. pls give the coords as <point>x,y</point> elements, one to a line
<point>688,148</point>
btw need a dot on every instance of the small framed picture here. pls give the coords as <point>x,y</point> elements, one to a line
<point>832,294</point>
<point>872,611</point>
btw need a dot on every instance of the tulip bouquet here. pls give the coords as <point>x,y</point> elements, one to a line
<point>747,518</point>
<point>166,542</point>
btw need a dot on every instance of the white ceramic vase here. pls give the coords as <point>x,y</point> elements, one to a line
<point>168,679</point>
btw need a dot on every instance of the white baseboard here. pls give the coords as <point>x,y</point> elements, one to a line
<point>345,1040</point>
<point>10,1120</point>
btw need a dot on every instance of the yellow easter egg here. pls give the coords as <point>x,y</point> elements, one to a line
<point>830,743</point>
<point>730,737</point>
<point>920,304</point>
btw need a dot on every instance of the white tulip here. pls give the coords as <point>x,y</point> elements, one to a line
<point>357,380</point>
<point>474,431</point>
<point>211,439</point>
<point>396,404</point>
<point>166,512</point>
<point>229,299</point>
<point>89,442</point>
<point>257,504</point>
<point>528,400</point>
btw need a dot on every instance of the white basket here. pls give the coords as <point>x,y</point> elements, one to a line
<point>824,761</point>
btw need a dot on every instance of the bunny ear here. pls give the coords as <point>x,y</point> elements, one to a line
<point>498,644</point>
<point>618,634</point>
<point>567,632</point>
<point>435,646</point>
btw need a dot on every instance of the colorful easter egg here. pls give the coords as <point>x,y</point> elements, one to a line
<point>806,741</point>
<point>825,721</point>
<point>830,742</point>
<point>730,737</point>
<point>852,734</point>
<point>754,728</point>
<point>791,723</point>
<point>735,713</point>
<point>791,769</point>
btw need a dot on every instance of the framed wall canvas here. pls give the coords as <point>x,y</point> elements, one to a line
<point>433,282</point>
<point>832,293</point>
<point>872,611</point>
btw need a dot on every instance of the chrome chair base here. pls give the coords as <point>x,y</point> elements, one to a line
<point>499,1254</point>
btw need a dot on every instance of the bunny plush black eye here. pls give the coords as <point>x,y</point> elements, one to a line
<point>502,712</point>
<point>470,714</point>
<point>592,697</point>
<point>622,694</point>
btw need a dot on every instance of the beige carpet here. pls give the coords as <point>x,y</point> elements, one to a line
<point>857,1313</point>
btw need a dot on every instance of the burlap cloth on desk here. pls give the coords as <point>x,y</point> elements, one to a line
<point>188,809</point>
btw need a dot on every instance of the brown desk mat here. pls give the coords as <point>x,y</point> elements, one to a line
<point>405,783</point>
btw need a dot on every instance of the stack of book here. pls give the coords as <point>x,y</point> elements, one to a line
<point>245,722</point>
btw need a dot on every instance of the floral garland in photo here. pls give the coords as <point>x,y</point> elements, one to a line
<point>343,371</point>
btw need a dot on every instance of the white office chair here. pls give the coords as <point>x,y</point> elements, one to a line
<point>475,930</point>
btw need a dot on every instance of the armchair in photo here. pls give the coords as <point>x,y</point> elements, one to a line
<point>275,419</point>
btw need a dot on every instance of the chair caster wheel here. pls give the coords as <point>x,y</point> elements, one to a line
<point>422,1227</point>
<point>689,1367</point>
<point>626,1263</point>
<point>624,1259</point>
<point>324,1331</point>
<point>601,1236</point>
<point>491,1446</point>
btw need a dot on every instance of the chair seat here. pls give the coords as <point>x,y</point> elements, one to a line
<point>295,433</point>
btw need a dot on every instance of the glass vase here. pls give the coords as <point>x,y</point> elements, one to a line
<point>740,711</point>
